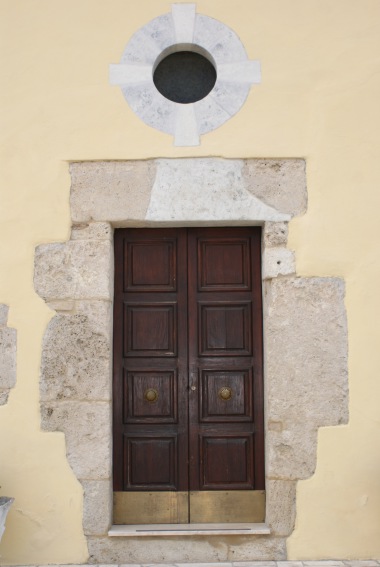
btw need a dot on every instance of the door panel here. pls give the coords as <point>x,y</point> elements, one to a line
<point>224,329</point>
<point>151,462</point>
<point>226,396</point>
<point>151,329</point>
<point>150,397</point>
<point>188,397</point>
<point>226,462</point>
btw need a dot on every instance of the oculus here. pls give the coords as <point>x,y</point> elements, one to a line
<point>185,74</point>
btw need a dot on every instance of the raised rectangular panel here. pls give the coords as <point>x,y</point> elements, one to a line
<point>150,265</point>
<point>150,396</point>
<point>150,462</point>
<point>224,265</point>
<point>150,508</point>
<point>226,395</point>
<point>151,329</point>
<point>225,329</point>
<point>227,461</point>
<point>227,506</point>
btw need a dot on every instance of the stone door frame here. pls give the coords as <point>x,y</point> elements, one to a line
<point>305,335</point>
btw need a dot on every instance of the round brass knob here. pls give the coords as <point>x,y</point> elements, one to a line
<point>151,395</point>
<point>225,393</point>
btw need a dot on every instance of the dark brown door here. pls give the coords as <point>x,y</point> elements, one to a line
<point>188,397</point>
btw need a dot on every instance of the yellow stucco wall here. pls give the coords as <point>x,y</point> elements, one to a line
<point>319,99</point>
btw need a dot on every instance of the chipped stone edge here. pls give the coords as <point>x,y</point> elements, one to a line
<point>8,356</point>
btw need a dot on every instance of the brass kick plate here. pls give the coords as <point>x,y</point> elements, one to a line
<point>150,508</point>
<point>224,506</point>
<point>205,507</point>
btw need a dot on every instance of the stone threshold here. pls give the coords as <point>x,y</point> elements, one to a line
<point>149,530</point>
<point>321,563</point>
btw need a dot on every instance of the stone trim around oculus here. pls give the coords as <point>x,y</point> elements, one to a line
<point>305,334</point>
<point>8,354</point>
<point>184,30</point>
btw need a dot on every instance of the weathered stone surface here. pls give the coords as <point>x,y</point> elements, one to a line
<point>8,339</point>
<point>306,369</point>
<point>92,231</point>
<point>372,563</point>
<point>87,429</point>
<point>64,305</point>
<point>97,506</point>
<point>74,270</point>
<point>115,192</point>
<point>155,550</point>
<point>329,563</point>
<point>176,550</point>
<point>3,314</point>
<point>275,234</point>
<point>204,190</point>
<point>4,394</point>
<point>281,500</point>
<point>257,548</point>
<point>246,564</point>
<point>279,183</point>
<point>76,354</point>
<point>278,262</point>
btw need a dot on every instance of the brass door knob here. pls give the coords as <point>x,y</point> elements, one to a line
<point>151,395</point>
<point>225,393</point>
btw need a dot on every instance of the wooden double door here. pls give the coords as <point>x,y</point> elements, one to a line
<point>188,440</point>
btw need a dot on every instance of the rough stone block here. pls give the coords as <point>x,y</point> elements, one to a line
<point>246,564</point>
<point>87,429</point>
<point>8,339</point>
<point>111,191</point>
<point>280,499</point>
<point>292,454</point>
<point>65,305</point>
<point>180,193</point>
<point>155,550</point>
<point>278,262</point>
<point>257,548</point>
<point>275,234</point>
<point>92,231</point>
<point>77,269</point>
<point>279,183</point>
<point>4,393</point>
<point>97,506</point>
<point>193,550</point>
<point>3,314</point>
<point>306,369</point>
<point>76,354</point>
<point>328,564</point>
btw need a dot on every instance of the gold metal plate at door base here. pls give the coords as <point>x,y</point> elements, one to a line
<point>226,506</point>
<point>204,507</point>
<point>150,508</point>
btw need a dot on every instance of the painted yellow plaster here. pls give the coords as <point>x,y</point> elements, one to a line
<point>319,99</point>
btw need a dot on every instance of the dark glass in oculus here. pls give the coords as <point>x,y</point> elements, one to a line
<point>184,77</point>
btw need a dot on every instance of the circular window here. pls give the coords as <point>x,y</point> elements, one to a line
<point>185,74</point>
<point>185,77</point>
